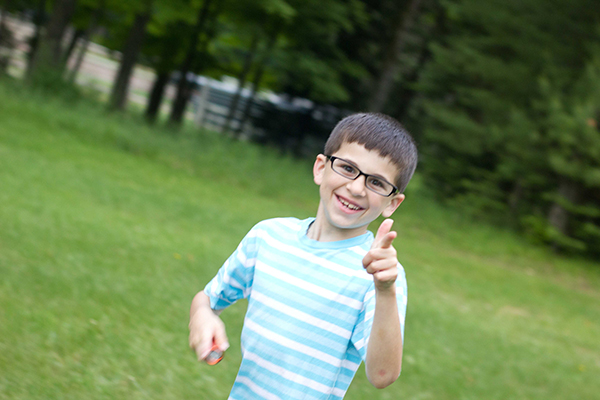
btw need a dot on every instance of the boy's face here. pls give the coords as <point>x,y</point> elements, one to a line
<point>348,206</point>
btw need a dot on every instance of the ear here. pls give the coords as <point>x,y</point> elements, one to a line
<point>395,202</point>
<point>319,168</point>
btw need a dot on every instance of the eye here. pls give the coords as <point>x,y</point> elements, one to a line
<point>376,182</point>
<point>347,168</point>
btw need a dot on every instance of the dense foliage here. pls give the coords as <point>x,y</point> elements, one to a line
<point>509,115</point>
<point>501,95</point>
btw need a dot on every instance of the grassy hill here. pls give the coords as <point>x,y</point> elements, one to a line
<point>109,227</point>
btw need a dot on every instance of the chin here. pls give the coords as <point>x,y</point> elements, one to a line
<point>349,226</point>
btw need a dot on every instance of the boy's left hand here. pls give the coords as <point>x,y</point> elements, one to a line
<point>381,261</point>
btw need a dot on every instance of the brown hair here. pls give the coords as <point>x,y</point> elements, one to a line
<point>378,132</point>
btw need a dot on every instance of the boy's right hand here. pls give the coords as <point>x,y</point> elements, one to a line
<point>206,328</point>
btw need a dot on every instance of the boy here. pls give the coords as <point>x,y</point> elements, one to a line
<point>323,295</point>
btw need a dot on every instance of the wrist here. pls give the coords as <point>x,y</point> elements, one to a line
<point>386,290</point>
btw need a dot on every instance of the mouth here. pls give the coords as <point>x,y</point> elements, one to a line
<point>348,206</point>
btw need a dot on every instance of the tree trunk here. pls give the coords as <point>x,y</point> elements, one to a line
<point>38,20</point>
<point>85,42</point>
<point>391,65</point>
<point>80,56</point>
<point>242,77</point>
<point>48,55</point>
<point>248,107</point>
<point>514,198</point>
<point>72,43</point>
<point>118,97</point>
<point>156,96</point>
<point>558,216</point>
<point>258,74</point>
<point>408,93</point>
<point>162,70</point>
<point>183,87</point>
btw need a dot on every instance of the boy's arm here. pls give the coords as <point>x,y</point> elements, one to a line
<point>384,352</point>
<point>206,327</point>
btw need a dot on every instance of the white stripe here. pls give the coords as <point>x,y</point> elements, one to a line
<point>244,260</point>
<point>257,389</point>
<point>311,258</point>
<point>291,344</point>
<point>300,315</point>
<point>360,251</point>
<point>318,290</point>
<point>291,376</point>
<point>370,294</point>
<point>241,257</point>
<point>294,377</point>
<point>359,344</point>
<point>290,223</point>
<point>352,366</point>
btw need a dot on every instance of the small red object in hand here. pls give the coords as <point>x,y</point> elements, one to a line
<point>214,356</point>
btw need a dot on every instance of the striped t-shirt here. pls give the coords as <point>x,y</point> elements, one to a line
<point>310,310</point>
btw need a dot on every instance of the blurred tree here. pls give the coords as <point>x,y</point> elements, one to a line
<point>259,70</point>
<point>46,63</point>
<point>569,141</point>
<point>310,64</point>
<point>184,87</point>
<point>87,20</point>
<point>242,78</point>
<point>164,49</point>
<point>253,30</point>
<point>129,56</point>
<point>304,61</point>
<point>490,110</point>
<point>388,47</point>
<point>39,19</point>
<point>403,23</point>
<point>74,38</point>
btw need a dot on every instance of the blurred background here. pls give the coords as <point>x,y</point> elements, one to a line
<point>140,140</point>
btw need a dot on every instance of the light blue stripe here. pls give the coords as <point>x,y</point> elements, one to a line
<point>289,294</point>
<point>301,332</point>
<point>292,292</point>
<point>252,338</point>
<point>303,365</point>
<point>343,318</point>
<point>288,389</point>
<point>329,279</point>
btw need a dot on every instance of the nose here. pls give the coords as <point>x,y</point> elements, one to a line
<point>357,187</point>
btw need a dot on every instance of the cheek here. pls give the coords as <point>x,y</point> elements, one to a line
<point>380,205</point>
<point>330,182</point>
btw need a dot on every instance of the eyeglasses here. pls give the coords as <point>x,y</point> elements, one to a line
<point>348,170</point>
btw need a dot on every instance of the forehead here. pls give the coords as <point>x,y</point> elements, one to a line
<point>369,161</point>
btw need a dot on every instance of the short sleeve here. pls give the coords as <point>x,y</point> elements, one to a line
<point>362,330</point>
<point>234,279</point>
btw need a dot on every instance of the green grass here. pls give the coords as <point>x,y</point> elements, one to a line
<point>109,227</point>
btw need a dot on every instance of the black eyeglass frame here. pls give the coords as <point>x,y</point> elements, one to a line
<point>333,158</point>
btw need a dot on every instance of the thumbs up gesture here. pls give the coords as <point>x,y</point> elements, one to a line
<point>381,261</point>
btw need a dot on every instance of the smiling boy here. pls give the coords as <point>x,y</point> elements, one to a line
<point>323,294</point>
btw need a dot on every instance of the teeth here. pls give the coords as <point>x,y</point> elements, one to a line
<point>350,206</point>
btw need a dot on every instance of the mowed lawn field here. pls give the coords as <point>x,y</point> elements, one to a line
<point>108,228</point>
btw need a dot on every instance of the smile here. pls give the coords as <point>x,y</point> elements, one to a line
<point>349,205</point>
